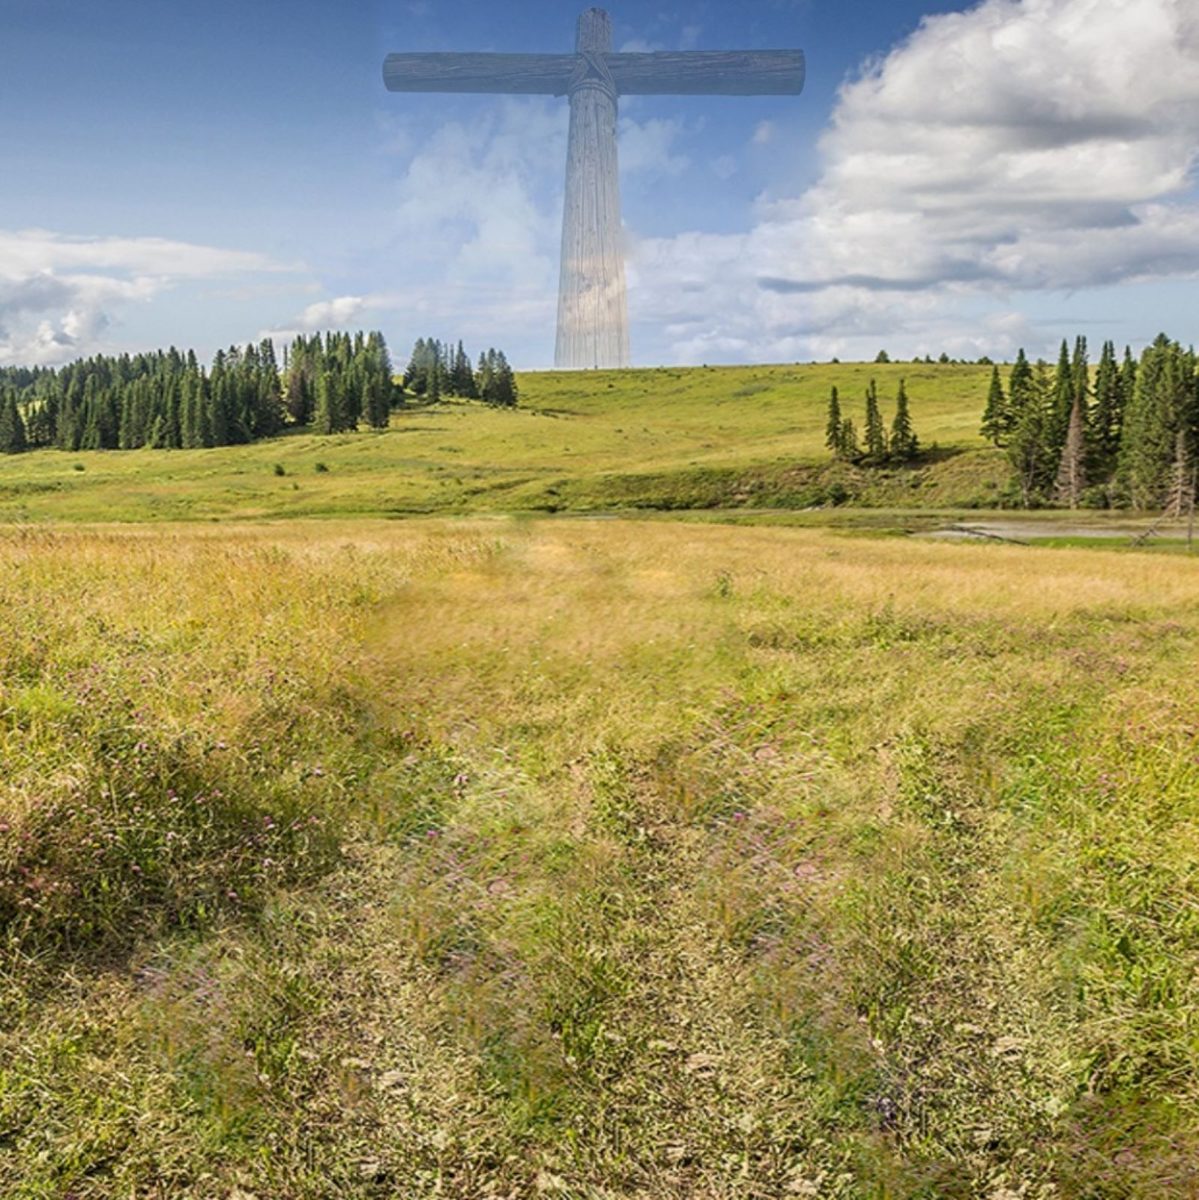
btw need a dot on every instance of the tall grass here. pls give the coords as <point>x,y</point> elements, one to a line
<point>648,859</point>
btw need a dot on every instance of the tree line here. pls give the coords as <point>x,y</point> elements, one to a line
<point>327,383</point>
<point>877,446</point>
<point>1122,434</point>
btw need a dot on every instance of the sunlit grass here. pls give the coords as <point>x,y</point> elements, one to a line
<point>650,438</point>
<point>655,859</point>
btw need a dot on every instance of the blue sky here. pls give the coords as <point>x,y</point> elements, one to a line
<point>960,177</point>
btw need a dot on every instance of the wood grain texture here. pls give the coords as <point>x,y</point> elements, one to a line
<point>507,74</point>
<point>695,73</point>
<point>710,73</point>
<point>593,319</point>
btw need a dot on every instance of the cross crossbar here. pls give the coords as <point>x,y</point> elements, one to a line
<point>669,73</point>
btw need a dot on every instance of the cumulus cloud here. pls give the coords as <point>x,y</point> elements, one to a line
<point>332,313</point>
<point>1021,146</point>
<point>341,312</point>
<point>59,294</point>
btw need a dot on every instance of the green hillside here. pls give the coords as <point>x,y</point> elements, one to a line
<point>669,438</point>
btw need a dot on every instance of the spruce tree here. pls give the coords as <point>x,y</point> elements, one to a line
<point>876,436</point>
<point>1028,447</point>
<point>1020,389</point>
<point>832,429</point>
<point>1063,401</point>
<point>503,383</point>
<point>13,439</point>
<point>1080,366</point>
<point>1162,409</point>
<point>1107,416</point>
<point>849,450</point>
<point>1072,470</point>
<point>329,417</point>
<point>904,443</point>
<point>996,422</point>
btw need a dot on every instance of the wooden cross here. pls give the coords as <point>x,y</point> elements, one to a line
<point>593,322</point>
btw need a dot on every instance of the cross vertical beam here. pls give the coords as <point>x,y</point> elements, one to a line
<point>593,319</point>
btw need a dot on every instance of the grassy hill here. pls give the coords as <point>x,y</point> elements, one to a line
<point>722,437</point>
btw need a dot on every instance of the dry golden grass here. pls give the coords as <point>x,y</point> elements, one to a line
<point>676,861</point>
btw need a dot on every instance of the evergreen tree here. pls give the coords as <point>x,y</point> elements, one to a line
<point>1028,447</point>
<point>849,450</point>
<point>1159,424</point>
<point>506,391</point>
<point>1107,414</point>
<point>330,414</point>
<point>1063,401</point>
<point>904,444</point>
<point>1020,390</point>
<point>876,436</point>
<point>1072,470</point>
<point>996,424</point>
<point>13,439</point>
<point>832,429</point>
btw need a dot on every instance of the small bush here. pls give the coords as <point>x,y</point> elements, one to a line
<point>321,469</point>
<point>280,469</point>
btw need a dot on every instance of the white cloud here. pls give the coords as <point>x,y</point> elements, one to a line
<point>1022,146</point>
<point>332,314</point>
<point>647,147</point>
<point>60,294</point>
<point>341,312</point>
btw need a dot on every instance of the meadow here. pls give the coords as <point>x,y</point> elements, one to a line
<point>508,856</point>
<point>665,439</point>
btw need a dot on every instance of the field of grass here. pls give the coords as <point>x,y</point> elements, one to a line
<point>517,857</point>
<point>726,437</point>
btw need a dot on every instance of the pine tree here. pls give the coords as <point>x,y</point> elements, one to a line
<point>1063,401</point>
<point>832,430</point>
<point>1020,389</point>
<point>1080,366</point>
<point>329,417</point>
<point>1107,415</point>
<point>904,444</point>
<point>433,378</point>
<point>996,424</point>
<point>1162,409</point>
<point>849,449</point>
<point>876,436</point>
<point>503,391</point>
<point>1028,445</point>
<point>13,439</point>
<point>1072,470</point>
